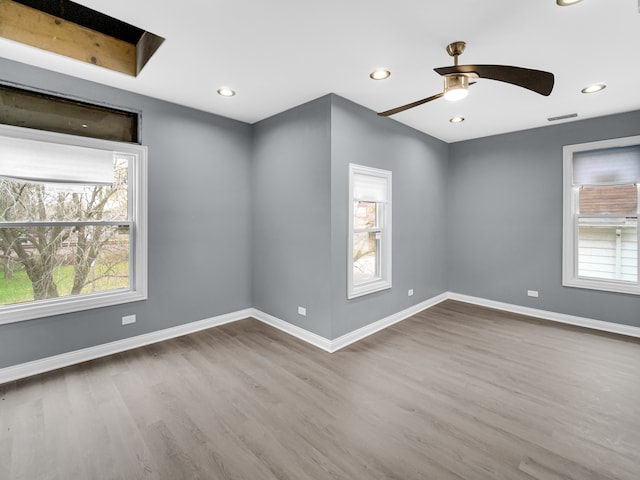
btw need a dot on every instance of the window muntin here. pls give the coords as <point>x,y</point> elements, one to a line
<point>66,244</point>
<point>369,230</point>
<point>601,215</point>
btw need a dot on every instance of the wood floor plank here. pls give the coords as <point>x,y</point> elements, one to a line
<point>455,392</point>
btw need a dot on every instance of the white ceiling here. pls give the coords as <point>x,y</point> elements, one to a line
<point>278,54</point>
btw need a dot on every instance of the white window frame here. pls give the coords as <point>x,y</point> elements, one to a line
<point>570,276</point>
<point>137,200</point>
<point>384,281</point>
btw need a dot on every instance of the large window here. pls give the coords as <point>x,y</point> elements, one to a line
<point>369,230</point>
<point>72,223</point>
<point>601,215</point>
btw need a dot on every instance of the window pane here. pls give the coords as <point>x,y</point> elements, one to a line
<point>612,199</point>
<point>366,265</point>
<point>608,248</point>
<point>365,215</point>
<point>23,202</point>
<point>38,263</point>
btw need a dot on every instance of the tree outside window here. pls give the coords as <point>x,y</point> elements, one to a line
<point>74,247</point>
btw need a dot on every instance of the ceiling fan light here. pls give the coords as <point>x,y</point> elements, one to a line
<point>456,94</point>
<point>456,87</point>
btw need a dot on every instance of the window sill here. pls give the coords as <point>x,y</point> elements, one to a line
<point>605,286</point>
<point>60,306</point>
<point>367,288</point>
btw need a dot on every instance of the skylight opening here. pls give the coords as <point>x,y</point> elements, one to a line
<point>75,31</point>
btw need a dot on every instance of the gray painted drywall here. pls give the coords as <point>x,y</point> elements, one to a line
<point>199,224</point>
<point>504,205</point>
<point>243,216</point>
<point>300,208</point>
<point>418,163</point>
<point>291,216</point>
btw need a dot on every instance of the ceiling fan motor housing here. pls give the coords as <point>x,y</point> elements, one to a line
<point>452,82</point>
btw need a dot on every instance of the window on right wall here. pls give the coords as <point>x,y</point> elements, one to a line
<point>600,235</point>
<point>369,268</point>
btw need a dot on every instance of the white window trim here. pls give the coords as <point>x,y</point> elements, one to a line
<point>570,276</point>
<point>383,283</point>
<point>138,218</point>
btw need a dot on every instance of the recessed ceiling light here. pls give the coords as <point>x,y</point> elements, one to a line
<point>456,119</point>
<point>380,74</point>
<point>226,92</point>
<point>567,3</point>
<point>597,87</point>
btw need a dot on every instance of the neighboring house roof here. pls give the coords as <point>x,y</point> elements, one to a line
<point>614,199</point>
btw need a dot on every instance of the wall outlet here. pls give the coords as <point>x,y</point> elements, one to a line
<point>302,311</point>
<point>128,319</point>
<point>532,293</point>
<point>410,292</point>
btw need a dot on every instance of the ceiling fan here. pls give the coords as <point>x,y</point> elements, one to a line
<point>456,79</point>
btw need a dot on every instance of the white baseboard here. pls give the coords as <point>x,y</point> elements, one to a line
<point>348,338</point>
<point>55,362</point>
<point>359,334</point>
<point>35,367</point>
<point>294,330</point>
<point>547,315</point>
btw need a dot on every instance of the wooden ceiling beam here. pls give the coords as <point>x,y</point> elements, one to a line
<point>38,29</point>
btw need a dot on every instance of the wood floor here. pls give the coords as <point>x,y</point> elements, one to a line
<point>456,392</point>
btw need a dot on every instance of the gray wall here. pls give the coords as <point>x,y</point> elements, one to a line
<point>243,216</point>
<point>291,216</point>
<point>300,208</point>
<point>419,166</point>
<point>199,224</point>
<point>504,210</point>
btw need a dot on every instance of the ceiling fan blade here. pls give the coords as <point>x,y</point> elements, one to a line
<point>534,80</point>
<point>410,105</point>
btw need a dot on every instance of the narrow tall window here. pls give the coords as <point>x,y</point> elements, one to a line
<point>72,223</point>
<point>369,230</point>
<point>601,215</point>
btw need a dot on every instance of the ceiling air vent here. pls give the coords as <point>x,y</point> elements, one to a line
<point>75,31</point>
<point>562,117</point>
